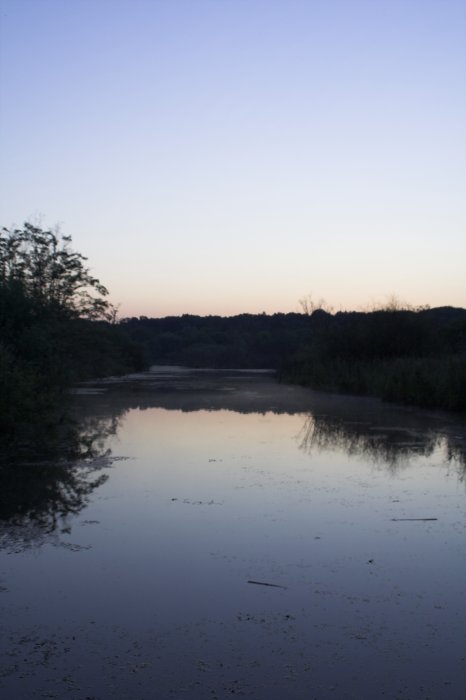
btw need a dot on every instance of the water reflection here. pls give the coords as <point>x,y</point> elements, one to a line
<point>39,494</point>
<point>385,434</point>
<point>391,447</point>
<point>41,490</point>
<point>150,590</point>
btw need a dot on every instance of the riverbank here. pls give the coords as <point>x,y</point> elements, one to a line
<point>433,383</point>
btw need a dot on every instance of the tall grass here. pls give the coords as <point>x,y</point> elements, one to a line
<point>411,357</point>
<point>426,382</point>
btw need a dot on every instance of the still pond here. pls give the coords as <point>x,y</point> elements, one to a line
<point>224,535</point>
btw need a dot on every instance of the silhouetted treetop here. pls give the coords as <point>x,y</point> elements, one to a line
<point>42,266</point>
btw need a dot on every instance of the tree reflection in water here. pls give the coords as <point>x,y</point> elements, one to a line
<point>39,493</point>
<point>390,447</point>
<point>41,487</point>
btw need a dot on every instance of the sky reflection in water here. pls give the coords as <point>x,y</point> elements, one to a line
<point>144,589</point>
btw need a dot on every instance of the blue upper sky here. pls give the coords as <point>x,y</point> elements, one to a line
<point>221,156</point>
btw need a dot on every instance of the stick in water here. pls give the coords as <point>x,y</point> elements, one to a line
<point>263,583</point>
<point>418,519</point>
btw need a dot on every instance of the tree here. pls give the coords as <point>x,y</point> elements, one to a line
<point>56,327</point>
<point>41,266</point>
<point>309,306</point>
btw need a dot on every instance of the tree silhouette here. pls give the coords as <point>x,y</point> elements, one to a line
<point>41,266</point>
<point>56,327</point>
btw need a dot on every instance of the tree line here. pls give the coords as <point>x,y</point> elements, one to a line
<point>409,356</point>
<point>243,341</point>
<point>413,356</point>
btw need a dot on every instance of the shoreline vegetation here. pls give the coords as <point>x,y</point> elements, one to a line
<point>414,357</point>
<point>404,355</point>
<point>58,328</point>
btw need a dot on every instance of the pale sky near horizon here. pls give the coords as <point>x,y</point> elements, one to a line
<point>229,156</point>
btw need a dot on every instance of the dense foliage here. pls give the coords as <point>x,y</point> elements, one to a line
<point>54,329</point>
<point>243,341</point>
<point>406,355</point>
<point>410,356</point>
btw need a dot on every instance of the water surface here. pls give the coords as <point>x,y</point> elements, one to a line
<point>143,575</point>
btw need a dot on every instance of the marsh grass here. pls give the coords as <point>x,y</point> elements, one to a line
<point>433,382</point>
<point>407,356</point>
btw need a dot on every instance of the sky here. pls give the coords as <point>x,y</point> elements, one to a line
<point>234,156</point>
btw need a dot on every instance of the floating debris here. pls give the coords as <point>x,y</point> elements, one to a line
<point>424,520</point>
<point>264,583</point>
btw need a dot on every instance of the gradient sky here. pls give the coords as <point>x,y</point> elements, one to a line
<point>228,156</point>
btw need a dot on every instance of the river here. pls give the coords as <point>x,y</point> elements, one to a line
<point>224,535</point>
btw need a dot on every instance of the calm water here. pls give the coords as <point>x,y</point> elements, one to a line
<point>130,573</point>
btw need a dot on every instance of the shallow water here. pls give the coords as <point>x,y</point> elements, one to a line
<point>203,487</point>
